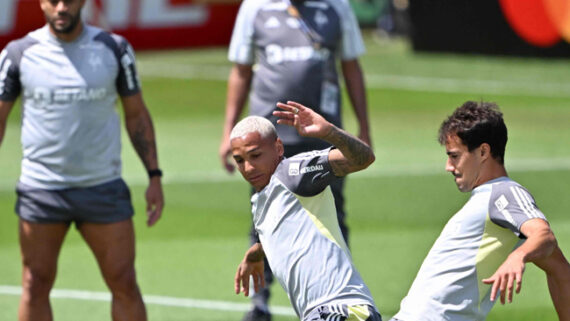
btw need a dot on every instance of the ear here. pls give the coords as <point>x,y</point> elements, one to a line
<point>279,146</point>
<point>485,151</point>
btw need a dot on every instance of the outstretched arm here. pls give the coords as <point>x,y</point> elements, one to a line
<point>351,155</point>
<point>140,129</point>
<point>557,271</point>
<point>251,265</point>
<point>539,245</point>
<point>5,108</point>
<point>238,86</point>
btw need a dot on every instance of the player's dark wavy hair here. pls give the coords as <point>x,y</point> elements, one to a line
<point>477,123</point>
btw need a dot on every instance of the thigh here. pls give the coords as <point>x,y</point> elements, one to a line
<point>40,244</point>
<point>113,245</point>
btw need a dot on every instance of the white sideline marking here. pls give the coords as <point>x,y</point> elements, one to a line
<point>380,81</point>
<point>151,299</point>
<point>376,171</point>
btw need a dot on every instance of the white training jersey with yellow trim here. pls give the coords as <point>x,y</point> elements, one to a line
<point>471,247</point>
<point>295,218</point>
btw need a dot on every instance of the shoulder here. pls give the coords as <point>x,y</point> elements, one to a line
<point>15,49</point>
<point>116,43</point>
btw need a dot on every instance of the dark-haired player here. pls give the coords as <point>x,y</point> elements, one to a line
<point>482,251</point>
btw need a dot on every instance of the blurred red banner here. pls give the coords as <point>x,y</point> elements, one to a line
<point>147,24</point>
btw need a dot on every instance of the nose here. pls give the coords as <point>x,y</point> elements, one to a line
<point>449,166</point>
<point>61,6</point>
<point>247,167</point>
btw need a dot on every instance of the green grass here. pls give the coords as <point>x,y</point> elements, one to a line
<point>396,208</point>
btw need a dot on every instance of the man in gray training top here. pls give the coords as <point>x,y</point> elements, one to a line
<point>283,50</point>
<point>69,76</point>
<point>294,215</point>
<point>482,251</point>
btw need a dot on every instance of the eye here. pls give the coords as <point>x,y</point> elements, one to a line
<point>256,155</point>
<point>238,160</point>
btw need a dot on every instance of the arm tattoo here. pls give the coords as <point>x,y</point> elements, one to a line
<point>356,152</point>
<point>142,137</point>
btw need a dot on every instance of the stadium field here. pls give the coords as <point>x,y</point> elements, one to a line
<point>397,207</point>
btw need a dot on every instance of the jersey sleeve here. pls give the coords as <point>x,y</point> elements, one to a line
<point>307,174</point>
<point>10,86</point>
<point>352,45</point>
<point>128,80</point>
<point>241,48</point>
<point>511,205</point>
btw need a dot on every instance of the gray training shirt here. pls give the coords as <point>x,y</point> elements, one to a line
<point>471,247</point>
<point>288,63</point>
<point>70,126</point>
<point>295,218</point>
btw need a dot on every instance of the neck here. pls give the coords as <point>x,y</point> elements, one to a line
<point>492,171</point>
<point>70,36</point>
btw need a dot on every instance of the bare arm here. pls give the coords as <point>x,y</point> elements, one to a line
<point>540,244</point>
<point>351,155</point>
<point>251,265</point>
<point>557,271</point>
<point>141,132</point>
<point>354,81</point>
<point>238,87</point>
<point>5,108</point>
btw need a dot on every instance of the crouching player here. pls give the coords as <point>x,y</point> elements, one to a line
<point>295,217</point>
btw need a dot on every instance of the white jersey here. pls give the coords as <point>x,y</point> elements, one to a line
<point>471,247</point>
<point>295,218</point>
<point>70,126</point>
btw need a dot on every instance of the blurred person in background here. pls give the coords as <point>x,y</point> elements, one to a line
<point>287,50</point>
<point>70,75</point>
<point>481,253</point>
<point>295,218</point>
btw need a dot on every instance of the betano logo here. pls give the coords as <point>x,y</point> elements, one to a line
<point>542,23</point>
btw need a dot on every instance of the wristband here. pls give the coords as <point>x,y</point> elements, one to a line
<point>154,172</point>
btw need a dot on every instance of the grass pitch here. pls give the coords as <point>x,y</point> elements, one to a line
<point>396,208</point>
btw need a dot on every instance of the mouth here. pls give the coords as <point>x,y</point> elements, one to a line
<point>255,178</point>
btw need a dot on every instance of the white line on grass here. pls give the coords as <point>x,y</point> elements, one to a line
<point>382,81</point>
<point>377,171</point>
<point>151,299</point>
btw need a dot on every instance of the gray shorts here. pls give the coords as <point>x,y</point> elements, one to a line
<point>105,203</point>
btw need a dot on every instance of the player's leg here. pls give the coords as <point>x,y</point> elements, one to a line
<point>40,244</point>
<point>113,245</point>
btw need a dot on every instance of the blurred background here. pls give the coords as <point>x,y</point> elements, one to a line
<point>423,59</point>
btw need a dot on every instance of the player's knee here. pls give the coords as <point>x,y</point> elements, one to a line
<point>123,282</point>
<point>37,283</point>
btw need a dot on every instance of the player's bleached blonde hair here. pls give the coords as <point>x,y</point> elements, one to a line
<point>252,124</point>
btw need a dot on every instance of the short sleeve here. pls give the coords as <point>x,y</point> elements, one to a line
<point>241,48</point>
<point>352,45</point>
<point>307,174</point>
<point>511,205</point>
<point>10,86</point>
<point>128,80</point>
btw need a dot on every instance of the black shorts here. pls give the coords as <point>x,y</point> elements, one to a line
<point>105,203</point>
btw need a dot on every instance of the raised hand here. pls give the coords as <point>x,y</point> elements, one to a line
<point>307,122</point>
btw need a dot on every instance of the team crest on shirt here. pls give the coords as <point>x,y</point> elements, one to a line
<point>321,18</point>
<point>94,61</point>
<point>501,203</point>
<point>294,169</point>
